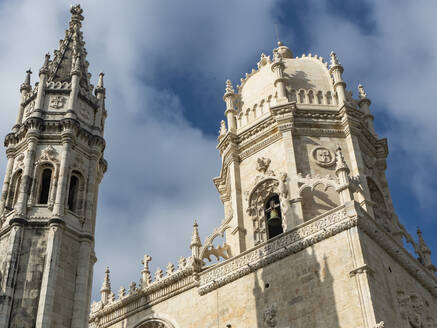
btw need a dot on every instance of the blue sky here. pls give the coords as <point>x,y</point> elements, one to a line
<point>166,63</point>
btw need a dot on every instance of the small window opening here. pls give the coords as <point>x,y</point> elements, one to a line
<point>16,190</point>
<point>72,193</point>
<point>274,217</point>
<point>46,178</point>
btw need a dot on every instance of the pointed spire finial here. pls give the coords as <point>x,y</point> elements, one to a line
<point>105,291</point>
<point>76,15</point>
<point>229,89</point>
<point>100,83</point>
<point>45,67</point>
<point>334,59</point>
<point>361,92</point>
<point>223,130</point>
<point>195,240</point>
<point>26,84</point>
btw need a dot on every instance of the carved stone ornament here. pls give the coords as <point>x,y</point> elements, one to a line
<point>57,102</point>
<point>29,108</point>
<point>269,316</point>
<point>323,156</point>
<point>262,164</point>
<point>20,161</point>
<point>49,154</point>
<point>414,310</point>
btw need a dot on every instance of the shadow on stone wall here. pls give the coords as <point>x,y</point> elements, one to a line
<point>296,292</point>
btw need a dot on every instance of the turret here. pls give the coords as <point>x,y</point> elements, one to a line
<point>336,70</point>
<point>364,104</point>
<point>230,112</point>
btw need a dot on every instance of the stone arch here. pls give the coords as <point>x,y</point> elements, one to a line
<point>260,193</point>
<point>41,165</point>
<point>154,323</point>
<point>14,187</point>
<point>80,192</point>
<point>318,198</point>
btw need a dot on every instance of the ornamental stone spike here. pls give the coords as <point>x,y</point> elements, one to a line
<point>424,251</point>
<point>106,287</point>
<point>195,241</point>
<point>336,71</point>
<point>146,277</point>
<point>229,88</point>
<point>26,84</point>
<point>334,59</point>
<point>364,105</point>
<point>342,172</point>
<point>100,84</point>
<point>45,66</point>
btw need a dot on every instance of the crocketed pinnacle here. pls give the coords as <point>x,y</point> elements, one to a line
<point>195,241</point>
<point>26,84</point>
<point>70,58</point>
<point>282,51</point>
<point>229,89</point>
<point>334,59</point>
<point>422,245</point>
<point>106,286</point>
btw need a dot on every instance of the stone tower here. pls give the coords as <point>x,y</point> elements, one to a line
<point>49,196</point>
<point>311,238</point>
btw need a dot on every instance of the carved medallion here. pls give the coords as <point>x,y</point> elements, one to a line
<point>323,156</point>
<point>262,164</point>
<point>57,102</point>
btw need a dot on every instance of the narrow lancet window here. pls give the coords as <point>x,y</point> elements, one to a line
<point>46,179</point>
<point>273,216</point>
<point>16,190</point>
<point>72,193</point>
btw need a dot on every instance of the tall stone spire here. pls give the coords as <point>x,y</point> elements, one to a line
<point>71,49</point>
<point>106,287</point>
<point>55,165</point>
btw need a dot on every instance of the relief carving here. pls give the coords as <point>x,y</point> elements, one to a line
<point>415,310</point>
<point>57,102</point>
<point>323,156</point>
<point>269,316</point>
<point>49,154</point>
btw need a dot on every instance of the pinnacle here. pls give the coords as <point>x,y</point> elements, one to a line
<point>70,57</point>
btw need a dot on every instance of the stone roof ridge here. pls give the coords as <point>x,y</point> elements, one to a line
<point>70,57</point>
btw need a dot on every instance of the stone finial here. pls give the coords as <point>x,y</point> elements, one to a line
<point>334,59</point>
<point>111,297</point>
<point>26,84</point>
<point>424,251</point>
<point>158,274</point>
<point>340,163</point>
<point>106,287</point>
<point>362,94</point>
<point>76,15</point>
<point>281,52</point>
<point>223,130</point>
<point>146,277</point>
<point>121,292</point>
<point>195,240</point>
<point>182,262</point>
<point>229,89</point>
<point>45,66</point>
<point>100,82</point>
<point>132,287</point>
<point>170,268</point>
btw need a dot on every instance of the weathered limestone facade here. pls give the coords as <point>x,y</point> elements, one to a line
<point>49,196</point>
<point>311,236</point>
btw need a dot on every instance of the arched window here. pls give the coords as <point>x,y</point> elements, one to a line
<point>73,193</point>
<point>46,178</point>
<point>14,190</point>
<point>273,216</point>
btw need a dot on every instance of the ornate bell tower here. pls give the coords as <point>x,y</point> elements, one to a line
<point>49,197</point>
